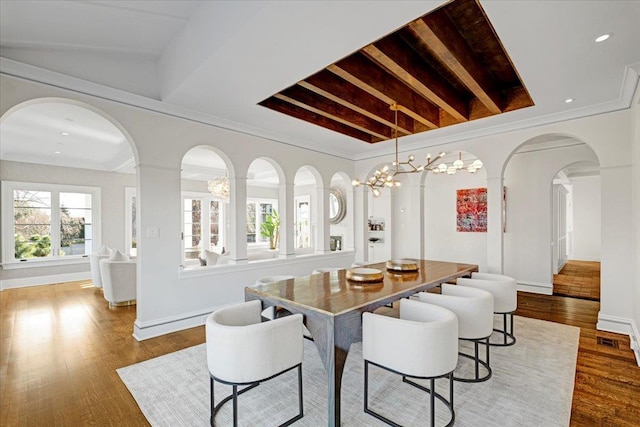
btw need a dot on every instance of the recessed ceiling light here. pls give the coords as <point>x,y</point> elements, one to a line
<point>56,152</point>
<point>602,38</point>
<point>65,133</point>
<point>568,100</point>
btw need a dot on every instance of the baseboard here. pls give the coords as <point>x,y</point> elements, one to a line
<point>576,257</point>
<point>145,330</point>
<point>536,287</point>
<point>51,279</point>
<point>622,325</point>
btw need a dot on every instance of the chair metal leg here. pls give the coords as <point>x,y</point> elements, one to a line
<point>432,399</point>
<point>507,332</point>
<point>213,411</point>
<point>477,362</point>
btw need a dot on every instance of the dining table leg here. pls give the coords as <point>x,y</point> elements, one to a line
<point>333,337</point>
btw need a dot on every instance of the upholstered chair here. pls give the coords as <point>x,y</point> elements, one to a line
<point>118,280</point>
<point>94,262</point>
<point>359,264</point>
<point>474,309</point>
<point>421,344</point>
<point>505,299</point>
<point>243,351</point>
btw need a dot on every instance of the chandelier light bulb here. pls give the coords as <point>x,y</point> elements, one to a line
<point>385,168</point>
<point>442,167</point>
<point>477,163</point>
<point>355,182</point>
<point>442,153</point>
<point>376,192</point>
<point>451,170</point>
<point>411,158</point>
<point>420,168</point>
<point>398,183</point>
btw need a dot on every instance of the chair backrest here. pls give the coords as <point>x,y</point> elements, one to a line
<point>503,288</point>
<point>118,280</point>
<point>423,342</point>
<point>242,349</point>
<point>474,308</point>
<point>273,279</point>
<point>359,264</point>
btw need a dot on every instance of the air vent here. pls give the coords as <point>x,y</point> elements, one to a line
<point>609,342</point>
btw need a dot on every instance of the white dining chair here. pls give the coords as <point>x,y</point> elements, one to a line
<point>244,351</point>
<point>421,344</point>
<point>505,299</point>
<point>474,309</point>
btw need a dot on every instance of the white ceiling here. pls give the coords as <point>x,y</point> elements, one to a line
<point>220,58</point>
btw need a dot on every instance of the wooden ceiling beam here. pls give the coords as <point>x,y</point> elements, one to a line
<point>437,34</point>
<point>361,72</point>
<point>331,86</point>
<point>317,119</point>
<point>409,67</point>
<point>308,100</point>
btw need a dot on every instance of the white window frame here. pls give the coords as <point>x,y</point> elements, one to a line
<point>8,239</point>
<point>257,202</point>
<point>205,219</point>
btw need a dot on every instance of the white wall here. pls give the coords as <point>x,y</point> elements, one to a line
<point>586,219</point>
<point>442,240</point>
<point>528,240</point>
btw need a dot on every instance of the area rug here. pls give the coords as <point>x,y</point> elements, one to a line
<point>532,385</point>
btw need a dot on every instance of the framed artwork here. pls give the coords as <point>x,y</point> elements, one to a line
<point>471,208</point>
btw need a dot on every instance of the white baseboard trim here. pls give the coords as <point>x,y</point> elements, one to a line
<point>24,282</point>
<point>536,287</point>
<point>621,325</point>
<point>145,330</point>
<point>577,257</point>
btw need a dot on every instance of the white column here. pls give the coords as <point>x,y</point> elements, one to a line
<point>322,215</point>
<point>237,220</point>
<point>495,244</point>
<point>287,216</point>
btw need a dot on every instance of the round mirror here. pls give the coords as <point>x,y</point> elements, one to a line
<point>337,206</point>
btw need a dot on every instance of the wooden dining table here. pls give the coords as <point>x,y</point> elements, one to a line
<point>332,307</point>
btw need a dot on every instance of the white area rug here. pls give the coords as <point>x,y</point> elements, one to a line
<point>532,385</point>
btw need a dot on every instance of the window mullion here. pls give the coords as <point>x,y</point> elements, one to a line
<point>55,224</point>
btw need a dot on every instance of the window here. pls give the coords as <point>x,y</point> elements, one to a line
<point>202,219</point>
<point>130,215</point>
<point>257,212</point>
<point>303,222</point>
<point>48,221</point>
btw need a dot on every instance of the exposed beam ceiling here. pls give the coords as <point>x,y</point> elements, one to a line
<point>444,68</point>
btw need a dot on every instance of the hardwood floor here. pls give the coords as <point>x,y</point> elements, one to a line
<point>61,344</point>
<point>579,279</point>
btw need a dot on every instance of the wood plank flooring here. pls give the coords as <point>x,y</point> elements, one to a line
<point>61,344</point>
<point>579,279</point>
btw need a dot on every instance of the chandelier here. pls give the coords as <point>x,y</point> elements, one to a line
<point>457,165</point>
<point>386,177</point>
<point>219,189</point>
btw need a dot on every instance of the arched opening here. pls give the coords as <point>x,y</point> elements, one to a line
<point>264,178</point>
<point>307,213</point>
<point>536,208</point>
<point>205,199</point>
<point>69,173</point>
<point>454,212</point>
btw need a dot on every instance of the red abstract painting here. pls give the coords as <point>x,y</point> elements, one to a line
<point>471,206</point>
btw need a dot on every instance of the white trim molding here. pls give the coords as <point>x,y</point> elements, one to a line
<point>146,330</point>
<point>621,325</point>
<point>24,282</point>
<point>536,287</point>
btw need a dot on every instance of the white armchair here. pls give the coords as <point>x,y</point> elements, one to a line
<point>242,350</point>
<point>474,309</point>
<point>94,261</point>
<point>422,344</point>
<point>505,298</point>
<point>119,282</point>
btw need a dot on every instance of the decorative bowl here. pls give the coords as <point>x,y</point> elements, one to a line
<point>362,274</point>
<point>402,265</point>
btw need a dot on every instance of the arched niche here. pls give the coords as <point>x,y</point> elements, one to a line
<point>308,210</point>
<point>528,237</point>
<point>205,196</point>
